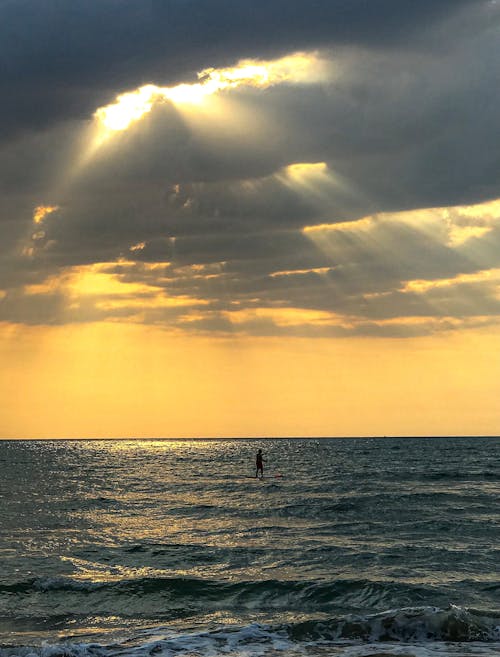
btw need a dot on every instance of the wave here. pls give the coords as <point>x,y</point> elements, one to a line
<point>416,626</point>
<point>407,624</point>
<point>320,610</point>
<point>274,593</point>
<point>459,475</point>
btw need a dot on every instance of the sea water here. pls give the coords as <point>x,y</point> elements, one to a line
<point>347,547</point>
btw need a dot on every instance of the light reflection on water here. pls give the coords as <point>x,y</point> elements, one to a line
<point>111,534</point>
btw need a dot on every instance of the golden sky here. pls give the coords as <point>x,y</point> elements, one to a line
<point>292,241</point>
<point>119,380</point>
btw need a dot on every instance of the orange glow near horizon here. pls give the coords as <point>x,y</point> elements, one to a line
<point>107,291</point>
<point>111,380</point>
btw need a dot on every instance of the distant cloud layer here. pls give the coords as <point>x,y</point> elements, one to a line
<point>333,172</point>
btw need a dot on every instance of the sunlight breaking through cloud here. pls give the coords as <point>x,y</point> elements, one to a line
<point>41,211</point>
<point>422,286</point>
<point>298,68</point>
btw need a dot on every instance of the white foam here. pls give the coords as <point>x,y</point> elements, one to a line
<point>438,649</point>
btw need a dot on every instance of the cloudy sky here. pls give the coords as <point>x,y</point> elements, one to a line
<point>224,217</point>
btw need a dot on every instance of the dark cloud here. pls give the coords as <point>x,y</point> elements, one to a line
<point>408,120</point>
<point>65,59</point>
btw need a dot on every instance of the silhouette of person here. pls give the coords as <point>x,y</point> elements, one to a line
<point>259,463</point>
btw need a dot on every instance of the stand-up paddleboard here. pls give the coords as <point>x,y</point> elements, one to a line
<point>272,476</point>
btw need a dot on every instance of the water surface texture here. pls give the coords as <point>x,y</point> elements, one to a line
<point>348,547</point>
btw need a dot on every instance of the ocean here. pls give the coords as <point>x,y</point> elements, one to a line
<point>347,547</point>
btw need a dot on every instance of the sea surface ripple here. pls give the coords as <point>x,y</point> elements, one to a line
<point>348,547</point>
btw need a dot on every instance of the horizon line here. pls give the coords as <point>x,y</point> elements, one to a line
<point>215,438</point>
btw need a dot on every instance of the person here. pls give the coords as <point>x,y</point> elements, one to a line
<point>259,462</point>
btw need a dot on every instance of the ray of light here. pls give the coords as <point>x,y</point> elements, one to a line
<point>322,186</point>
<point>132,105</point>
<point>450,227</point>
<point>204,105</point>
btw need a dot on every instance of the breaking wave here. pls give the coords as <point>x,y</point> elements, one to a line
<point>419,625</point>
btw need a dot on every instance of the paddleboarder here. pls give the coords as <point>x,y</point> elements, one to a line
<point>259,463</point>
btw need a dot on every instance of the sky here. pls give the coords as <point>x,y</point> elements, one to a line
<point>234,218</point>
